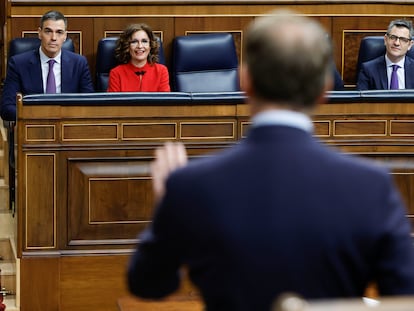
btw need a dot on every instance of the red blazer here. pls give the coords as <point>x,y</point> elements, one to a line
<point>152,78</point>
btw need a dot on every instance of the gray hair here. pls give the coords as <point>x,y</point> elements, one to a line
<point>55,16</point>
<point>401,23</point>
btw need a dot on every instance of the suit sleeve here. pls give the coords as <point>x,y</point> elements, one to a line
<point>395,267</point>
<point>86,85</point>
<point>363,79</point>
<point>154,269</point>
<point>12,85</point>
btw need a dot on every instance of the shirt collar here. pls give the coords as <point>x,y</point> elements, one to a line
<point>390,63</point>
<point>283,117</point>
<point>44,58</point>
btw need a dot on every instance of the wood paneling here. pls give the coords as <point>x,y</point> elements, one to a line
<point>40,181</point>
<point>98,193</point>
<point>110,200</point>
<point>39,287</point>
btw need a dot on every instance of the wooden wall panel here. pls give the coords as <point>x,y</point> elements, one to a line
<point>40,202</point>
<point>106,273</point>
<point>39,288</point>
<point>109,200</point>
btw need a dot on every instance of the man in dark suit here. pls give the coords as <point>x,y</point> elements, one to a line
<point>279,212</point>
<point>27,72</point>
<point>377,74</point>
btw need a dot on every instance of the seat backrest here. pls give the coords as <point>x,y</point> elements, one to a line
<point>205,63</point>
<point>105,61</point>
<point>20,45</point>
<point>372,47</point>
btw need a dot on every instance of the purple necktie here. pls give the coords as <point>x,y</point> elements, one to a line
<point>50,82</point>
<point>394,78</point>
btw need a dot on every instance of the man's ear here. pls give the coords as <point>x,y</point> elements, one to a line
<point>38,32</point>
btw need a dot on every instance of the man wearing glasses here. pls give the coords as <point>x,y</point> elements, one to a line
<point>396,69</point>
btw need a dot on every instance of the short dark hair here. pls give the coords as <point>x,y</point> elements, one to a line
<point>401,23</point>
<point>122,46</point>
<point>53,15</point>
<point>289,59</point>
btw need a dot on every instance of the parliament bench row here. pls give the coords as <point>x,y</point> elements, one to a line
<point>194,98</point>
<point>200,63</point>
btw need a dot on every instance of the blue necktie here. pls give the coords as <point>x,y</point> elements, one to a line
<point>50,82</point>
<point>394,78</point>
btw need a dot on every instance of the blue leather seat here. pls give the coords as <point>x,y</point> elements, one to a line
<point>20,45</point>
<point>105,61</point>
<point>372,47</point>
<point>205,63</point>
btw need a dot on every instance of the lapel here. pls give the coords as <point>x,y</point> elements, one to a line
<point>34,74</point>
<point>66,69</point>
<point>382,74</point>
<point>409,72</point>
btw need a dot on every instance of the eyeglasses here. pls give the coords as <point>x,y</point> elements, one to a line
<point>395,38</point>
<point>144,42</point>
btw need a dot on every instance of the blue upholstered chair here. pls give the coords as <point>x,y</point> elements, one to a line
<point>372,47</point>
<point>20,45</point>
<point>205,63</point>
<point>105,61</point>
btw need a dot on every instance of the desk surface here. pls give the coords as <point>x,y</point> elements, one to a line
<point>130,303</point>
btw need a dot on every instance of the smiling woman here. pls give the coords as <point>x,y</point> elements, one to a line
<point>137,51</point>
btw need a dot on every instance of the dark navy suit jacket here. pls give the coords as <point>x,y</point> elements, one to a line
<point>277,213</point>
<point>373,74</point>
<point>24,75</point>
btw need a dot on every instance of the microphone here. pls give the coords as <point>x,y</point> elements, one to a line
<point>140,74</point>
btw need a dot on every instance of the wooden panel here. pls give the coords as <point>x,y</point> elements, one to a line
<point>40,204</point>
<point>39,286</point>
<point>92,282</point>
<point>322,128</point>
<point>40,133</point>
<point>402,128</point>
<point>360,128</point>
<point>145,131</point>
<point>208,130</point>
<point>90,132</point>
<point>109,201</point>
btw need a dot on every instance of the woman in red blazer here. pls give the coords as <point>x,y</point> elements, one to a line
<point>137,51</point>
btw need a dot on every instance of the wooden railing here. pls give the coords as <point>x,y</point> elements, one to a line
<point>84,186</point>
